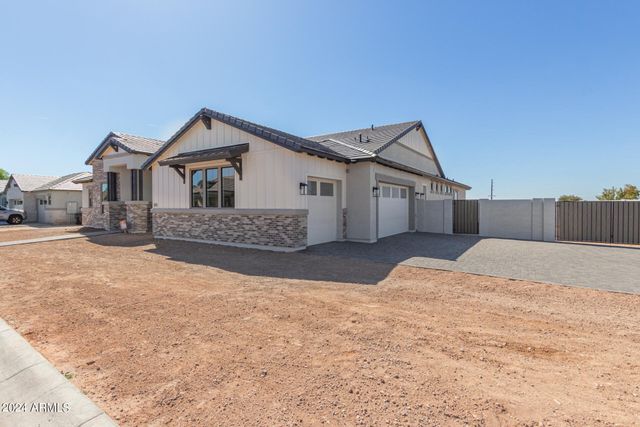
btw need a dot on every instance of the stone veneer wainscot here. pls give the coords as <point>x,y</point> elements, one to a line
<point>283,229</point>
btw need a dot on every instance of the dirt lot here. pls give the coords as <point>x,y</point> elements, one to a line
<point>188,334</point>
<point>9,233</point>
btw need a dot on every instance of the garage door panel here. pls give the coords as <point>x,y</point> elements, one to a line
<point>393,210</point>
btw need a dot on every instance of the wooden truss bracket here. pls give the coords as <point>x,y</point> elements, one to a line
<point>206,120</point>
<point>179,170</point>
<point>236,162</point>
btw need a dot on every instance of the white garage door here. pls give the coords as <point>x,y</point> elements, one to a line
<point>393,210</point>
<point>322,223</point>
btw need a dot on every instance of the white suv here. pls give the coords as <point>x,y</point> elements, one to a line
<point>12,216</point>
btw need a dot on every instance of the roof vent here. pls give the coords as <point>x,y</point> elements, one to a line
<point>360,137</point>
<point>371,127</point>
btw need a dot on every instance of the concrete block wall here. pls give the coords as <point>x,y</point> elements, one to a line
<point>517,219</point>
<point>434,216</point>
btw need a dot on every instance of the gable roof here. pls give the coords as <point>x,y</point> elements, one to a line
<point>3,185</point>
<point>276,136</point>
<point>367,141</point>
<point>130,143</point>
<point>65,183</point>
<point>344,146</point>
<point>30,182</point>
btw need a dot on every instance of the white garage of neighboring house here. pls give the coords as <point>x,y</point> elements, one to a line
<point>46,199</point>
<point>221,179</point>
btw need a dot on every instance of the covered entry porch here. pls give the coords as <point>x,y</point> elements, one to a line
<point>126,192</point>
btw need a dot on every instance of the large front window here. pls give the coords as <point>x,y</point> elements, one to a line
<point>213,187</point>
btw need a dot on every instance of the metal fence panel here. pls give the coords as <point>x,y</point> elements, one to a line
<point>601,221</point>
<point>465,217</point>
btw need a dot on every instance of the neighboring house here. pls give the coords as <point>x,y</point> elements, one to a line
<point>45,199</point>
<point>221,179</point>
<point>118,188</point>
<point>3,193</point>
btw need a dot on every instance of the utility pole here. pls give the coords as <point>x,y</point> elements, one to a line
<point>491,189</point>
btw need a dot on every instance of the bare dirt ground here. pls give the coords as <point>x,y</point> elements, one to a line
<point>10,233</point>
<point>188,334</point>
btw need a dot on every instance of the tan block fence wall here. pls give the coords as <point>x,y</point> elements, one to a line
<point>530,219</point>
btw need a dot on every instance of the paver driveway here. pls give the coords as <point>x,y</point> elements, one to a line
<point>594,266</point>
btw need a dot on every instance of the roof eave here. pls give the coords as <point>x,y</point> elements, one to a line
<point>414,171</point>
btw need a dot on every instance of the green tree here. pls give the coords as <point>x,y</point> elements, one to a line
<point>569,198</point>
<point>628,192</point>
<point>608,194</point>
<point>4,174</point>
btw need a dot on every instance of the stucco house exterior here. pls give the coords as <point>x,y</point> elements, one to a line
<point>224,180</point>
<point>45,199</point>
<point>118,188</point>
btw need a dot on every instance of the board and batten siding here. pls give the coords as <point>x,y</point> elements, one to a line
<point>412,150</point>
<point>270,174</point>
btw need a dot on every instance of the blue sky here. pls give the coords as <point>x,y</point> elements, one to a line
<point>542,96</point>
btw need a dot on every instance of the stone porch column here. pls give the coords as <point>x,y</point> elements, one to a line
<point>138,216</point>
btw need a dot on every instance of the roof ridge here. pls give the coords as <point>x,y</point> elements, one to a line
<point>118,133</point>
<point>408,123</point>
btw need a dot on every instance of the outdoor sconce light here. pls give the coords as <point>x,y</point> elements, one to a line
<point>303,188</point>
<point>376,192</point>
<point>422,196</point>
<point>417,195</point>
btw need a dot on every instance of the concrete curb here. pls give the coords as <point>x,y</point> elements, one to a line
<point>54,238</point>
<point>38,393</point>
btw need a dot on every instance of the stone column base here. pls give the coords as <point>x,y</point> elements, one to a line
<point>138,216</point>
<point>113,213</point>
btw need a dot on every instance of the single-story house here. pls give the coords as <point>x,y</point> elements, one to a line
<point>118,188</point>
<point>224,180</point>
<point>3,192</point>
<point>46,199</point>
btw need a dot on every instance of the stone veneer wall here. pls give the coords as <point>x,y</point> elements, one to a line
<point>94,216</point>
<point>269,228</point>
<point>138,216</point>
<point>113,213</point>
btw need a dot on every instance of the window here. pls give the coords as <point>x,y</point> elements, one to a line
<point>228,187</point>
<point>112,186</point>
<point>395,192</point>
<point>104,189</point>
<point>432,187</point>
<point>213,187</point>
<point>136,184</point>
<point>403,193</point>
<point>326,189</point>
<point>386,192</point>
<point>312,188</point>
<point>196,189</point>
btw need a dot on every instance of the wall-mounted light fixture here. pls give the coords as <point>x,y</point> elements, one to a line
<point>303,188</point>
<point>376,192</point>
<point>417,195</point>
<point>422,196</point>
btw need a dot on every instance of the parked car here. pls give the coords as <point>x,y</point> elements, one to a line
<point>12,216</point>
